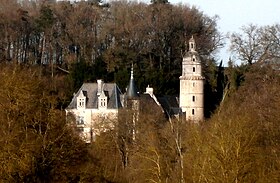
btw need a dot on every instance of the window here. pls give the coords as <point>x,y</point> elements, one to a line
<point>193,69</point>
<point>192,45</point>
<point>80,130</point>
<point>192,111</point>
<point>102,102</point>
<point>193,84</point>
<point>193,98</point>
<point>81,102</point>
<point>80,120</point>
<point>193,59</point>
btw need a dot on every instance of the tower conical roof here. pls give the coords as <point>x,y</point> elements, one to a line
<point>132,91</point>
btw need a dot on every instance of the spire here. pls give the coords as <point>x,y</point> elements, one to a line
<point>131,88</point>
<point>192,45</point>
<point>131,72</point>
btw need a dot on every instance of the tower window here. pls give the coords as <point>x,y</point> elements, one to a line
<point>193,69</point>
<point>192,111</point>
<point>193,98</point>
<point>191,45</point>
<point>193,59</point>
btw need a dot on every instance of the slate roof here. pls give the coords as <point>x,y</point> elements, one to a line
<point>111,90</point>
<point>132,91</point>
<point>191,53</point>
<point>170,104</point>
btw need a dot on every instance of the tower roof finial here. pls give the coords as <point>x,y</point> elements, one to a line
<point>131,72</point>
<point>192,45</point>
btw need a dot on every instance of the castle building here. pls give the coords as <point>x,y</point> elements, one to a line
<point>96,106</point>
<point>191,100</point>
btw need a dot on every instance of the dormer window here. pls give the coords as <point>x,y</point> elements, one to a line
<point>81,100</point>
<point>102,101</point>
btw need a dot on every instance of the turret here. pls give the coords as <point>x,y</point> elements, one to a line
<point>192,84</point>
<point>132,103</point>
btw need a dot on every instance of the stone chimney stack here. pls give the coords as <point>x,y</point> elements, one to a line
<point>99,86</point>
<point>149,90</point>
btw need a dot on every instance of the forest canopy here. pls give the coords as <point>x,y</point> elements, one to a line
<point>104,40</point>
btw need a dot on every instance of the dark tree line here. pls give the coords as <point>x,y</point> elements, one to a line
<point>66,36</point>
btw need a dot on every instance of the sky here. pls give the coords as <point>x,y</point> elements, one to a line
<point>233,14</point>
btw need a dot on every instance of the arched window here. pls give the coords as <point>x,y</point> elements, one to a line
<point>192,111</point>
<point>193,59</point>
<point>193,69</point>
<point>193,98</point>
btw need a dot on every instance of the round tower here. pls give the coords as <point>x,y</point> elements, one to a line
<point>133,103</point>
<point>192,84</point>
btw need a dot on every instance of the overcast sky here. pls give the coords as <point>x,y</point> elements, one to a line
<point>236,13</point>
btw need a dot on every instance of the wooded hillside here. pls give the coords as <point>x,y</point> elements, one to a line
<point>48,49</point>
<point>94,41</point>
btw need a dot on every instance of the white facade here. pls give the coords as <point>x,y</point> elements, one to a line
<point>95,108</point>
<point>91,122</point>
<point>192,85</point>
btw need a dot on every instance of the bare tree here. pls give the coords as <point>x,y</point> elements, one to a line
<point>256,43</point>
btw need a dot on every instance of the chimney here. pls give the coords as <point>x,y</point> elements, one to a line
<point>99,86</point>
<point>150,91</point>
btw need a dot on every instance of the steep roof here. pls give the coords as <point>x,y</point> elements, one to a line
<point>132,91</point>
<point>111,90</point>
<point>170,104</point>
